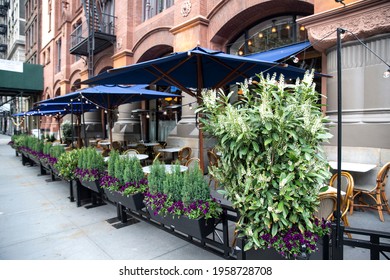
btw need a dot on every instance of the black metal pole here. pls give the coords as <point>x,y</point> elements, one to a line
<point>71,117</point>
<point>84,128</point>
<point>338,254</point>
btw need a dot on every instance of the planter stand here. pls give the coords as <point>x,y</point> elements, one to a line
<point>86,190</point>
<point>122,202</point>
<point>271,254</point>
<point>197,228</point>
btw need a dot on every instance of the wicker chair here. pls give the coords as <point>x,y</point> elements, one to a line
<point>328,202</point>
<point>376,193</point>
<point>116,146</point>
<point>184,155</point>
<point>193,163</point>
<point>130,152</point>
<point>141,148</point>
<point>347,186</point>
<point>213,161</point>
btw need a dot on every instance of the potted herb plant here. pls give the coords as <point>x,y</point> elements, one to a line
<point>181,200</point>
<point>124,182</point>
<point>272,166</point>
<point>89,168</point>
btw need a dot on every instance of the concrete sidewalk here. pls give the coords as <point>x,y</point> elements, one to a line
<point>38,222</point>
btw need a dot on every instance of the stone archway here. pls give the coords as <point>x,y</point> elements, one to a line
<point>233,17</point>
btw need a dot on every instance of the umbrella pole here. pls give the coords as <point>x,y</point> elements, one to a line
<point>71,118</point>
<point>59,129</point>
<point>201,158</point>
<point>84,129</point>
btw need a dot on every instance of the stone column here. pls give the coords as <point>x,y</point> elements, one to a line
<point>128,127</point>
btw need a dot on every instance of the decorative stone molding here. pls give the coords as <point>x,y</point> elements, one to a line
<point>199,20</point>
<point>364,19</point>
<point>186,8</point>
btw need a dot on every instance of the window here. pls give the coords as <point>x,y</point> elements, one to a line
<point>49,15</point>
<point>154,7</point>
<point>48,56</point>
<point>269,34</point>
<point>59,43</point>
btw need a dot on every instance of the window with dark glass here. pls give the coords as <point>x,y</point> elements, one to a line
<point>154,7</point>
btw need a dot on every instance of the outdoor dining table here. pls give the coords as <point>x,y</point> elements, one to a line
<point>331,189</point>
<point>173,150</point>
<point>352,166</point>
<point>168,168</point>
<point>138,156</point>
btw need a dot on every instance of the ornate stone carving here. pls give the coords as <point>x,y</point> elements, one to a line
<point>186,8</point>
<point>363,25</point>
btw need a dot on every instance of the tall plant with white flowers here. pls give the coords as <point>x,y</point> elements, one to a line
<point>272,166</point>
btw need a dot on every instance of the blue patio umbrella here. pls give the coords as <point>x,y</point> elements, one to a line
<point>109,97</point>
<point>197,68</point>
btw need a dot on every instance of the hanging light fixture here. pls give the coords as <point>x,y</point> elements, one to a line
<point>190,106</point>
<point>273,28</point>
<point>294,59</point>
<point>261,35</point>
<point>240,52</point>
<point>288,26</point>
<point>302,28</point>
<point>249,42</point>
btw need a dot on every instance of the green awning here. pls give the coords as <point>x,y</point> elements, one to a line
<point>18,77</point>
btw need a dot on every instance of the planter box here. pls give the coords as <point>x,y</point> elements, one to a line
<point>271,254</point>
<point>133,202</point>
<point>92,185</point>
<point>198,228</point>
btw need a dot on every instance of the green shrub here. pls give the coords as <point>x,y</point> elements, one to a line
<point>272,166</point>
<point>67,163</point>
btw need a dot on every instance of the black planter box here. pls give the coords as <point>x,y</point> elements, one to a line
<point>198,228</point>
<point>271,254</point>
<point>92,185</point>
<point>133,202</point>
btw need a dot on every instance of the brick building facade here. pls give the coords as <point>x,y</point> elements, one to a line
<point>150,29</point>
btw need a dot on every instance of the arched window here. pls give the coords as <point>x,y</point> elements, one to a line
<point>76,85</point>
<point>268,34</point>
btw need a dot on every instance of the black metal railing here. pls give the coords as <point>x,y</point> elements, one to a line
<point>377,242</point>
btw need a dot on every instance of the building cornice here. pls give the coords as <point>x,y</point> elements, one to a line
<point>124,53</point>
<point>199,20</point>
<point>364,18</point>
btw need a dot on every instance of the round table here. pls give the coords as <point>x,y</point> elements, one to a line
<point>168,168</point>
<point>138,156</point>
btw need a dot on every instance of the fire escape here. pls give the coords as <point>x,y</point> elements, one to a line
<point>94,35</point>
<point>4,5</point>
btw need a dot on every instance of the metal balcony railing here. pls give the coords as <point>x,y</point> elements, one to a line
<point>102,30</point>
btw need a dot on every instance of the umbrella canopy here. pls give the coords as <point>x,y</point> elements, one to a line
<point>110,97</point>
<point>198,68</point>
<point>280,53</point>
<point>65,108</point>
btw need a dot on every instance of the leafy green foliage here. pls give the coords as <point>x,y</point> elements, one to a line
<point>272,166</point>
<point>114,157</point>
<point>133,170</point>
<point>156,177</point>
<point>46,148</point>
<point>173,183</point>
<point>66,129</point>
<point>56,151</point>
<point>67,163</point>
<point>194,186</point>
<point>91,159</point>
